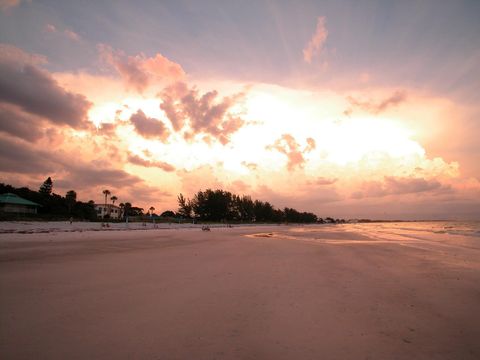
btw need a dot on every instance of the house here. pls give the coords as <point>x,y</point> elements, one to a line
<point>11,203</point>
<point>114,211</point>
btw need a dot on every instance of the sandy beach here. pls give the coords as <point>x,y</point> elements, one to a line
<point>372,291</point>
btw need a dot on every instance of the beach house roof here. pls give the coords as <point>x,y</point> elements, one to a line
<point>9,198</point>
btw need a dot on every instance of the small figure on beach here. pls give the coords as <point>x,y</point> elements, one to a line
<point>205,228</point>
<point>71,220</point>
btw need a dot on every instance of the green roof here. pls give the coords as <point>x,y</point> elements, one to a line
<point>10,198</point>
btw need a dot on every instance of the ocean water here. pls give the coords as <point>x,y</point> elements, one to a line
<point>464,228</point>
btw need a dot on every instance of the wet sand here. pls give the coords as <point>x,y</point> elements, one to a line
<point>332,292</point>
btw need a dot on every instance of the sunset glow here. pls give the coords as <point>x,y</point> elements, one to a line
<point>306,114</point>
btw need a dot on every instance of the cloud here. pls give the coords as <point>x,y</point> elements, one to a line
<point>251,166</point>
<point>8,4</point>
<point>138,71</point>
<point>149,127</point>
<point>392,185</point>
<point>12,54</point>
<point>376,107</point>
<point>70,34</point>
<point>15,122</point>
<point>19,157</point>
<point>201,113</point>
<point>287,145</point>
<point>34,90</point>
<point>137,160</point>
<point>107,129</point>
<point>50,28</point>
<point>322,181</point>
<point>315,45</point>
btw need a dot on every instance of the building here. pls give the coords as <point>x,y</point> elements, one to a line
<point>14,204</point>
<point>114,211</point>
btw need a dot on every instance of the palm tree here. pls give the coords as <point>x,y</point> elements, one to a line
<point>113,198</point>
<point>106,192</point>
<point>151,210</point>
<point>122,206</point>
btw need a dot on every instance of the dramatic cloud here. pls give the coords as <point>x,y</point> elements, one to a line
<point>315,45</point>
<point>138,71</point>
<point>203,113</point>
<point>287,145</point>
<point>376,107</point>
<point>19,157</point>
<point>15,122</point>
<point>149,127</point>
<point>35,91</point>
<point>137,160</point>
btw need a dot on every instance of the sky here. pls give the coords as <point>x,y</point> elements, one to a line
<point>351,109</point>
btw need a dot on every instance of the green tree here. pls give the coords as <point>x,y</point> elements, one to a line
<point>71,199</point>
<point>184,206</point>
<point>47,187</point>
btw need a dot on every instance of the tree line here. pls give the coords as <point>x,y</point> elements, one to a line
<point>220,205</point>
<point>55,206</point>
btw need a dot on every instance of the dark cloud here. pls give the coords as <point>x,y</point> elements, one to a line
<point>107,129</point>
<point>197,113</point>
<point>376,107</point>
<point>149,127</point>
<point>34,90</point>
<point>137,160</point>
<point>21,157</point>
<point>17,123</point>
<point>288,146</point>
<point>94,174</point>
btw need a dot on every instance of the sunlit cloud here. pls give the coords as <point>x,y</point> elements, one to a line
<point>139,71</point>
<point>315,45</point>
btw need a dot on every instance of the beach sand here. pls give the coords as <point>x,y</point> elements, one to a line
<point>270,292</point>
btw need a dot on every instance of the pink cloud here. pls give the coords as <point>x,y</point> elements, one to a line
<point>197,113</point>
<point>288,146</point>
<point>138,71</point>
<point>392,185</point>
<point>315,45</point>
<point>34,90</point>
<point>50,28</point>
<point>322,181</point>
<point>72,35</point>
<point>376,107</point>
<point>8,4</point>
<point>137,160</point>
<point>149,127</point>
